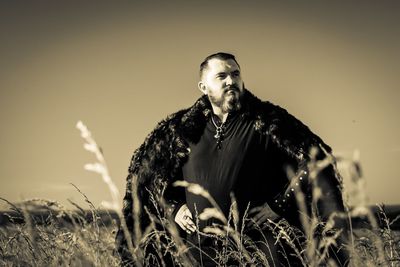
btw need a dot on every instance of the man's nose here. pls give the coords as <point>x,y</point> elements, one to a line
<point>229,80</point>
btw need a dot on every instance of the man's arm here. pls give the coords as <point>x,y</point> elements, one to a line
<point>324,194</point>
<point>175,198</point>
<point>330,207</point>
<point>292,136</point>
<point>177,209</point>
<point>315,190</point>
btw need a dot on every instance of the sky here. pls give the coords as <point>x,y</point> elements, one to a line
<point>122,67</point>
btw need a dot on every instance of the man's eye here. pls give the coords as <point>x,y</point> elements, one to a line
<point>221,76</point>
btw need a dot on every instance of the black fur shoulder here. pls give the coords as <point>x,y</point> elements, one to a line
<point>289,133</point>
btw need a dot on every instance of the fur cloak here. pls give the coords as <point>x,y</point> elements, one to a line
<point>157,163</point>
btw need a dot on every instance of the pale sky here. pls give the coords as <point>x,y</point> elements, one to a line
<point>120,68</point>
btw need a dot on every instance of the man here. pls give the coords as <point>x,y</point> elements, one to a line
<point>229,141</point>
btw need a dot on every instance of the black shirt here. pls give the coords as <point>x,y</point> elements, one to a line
<point>238,165</point>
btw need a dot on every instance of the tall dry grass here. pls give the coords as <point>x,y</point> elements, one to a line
<point>72,238</point>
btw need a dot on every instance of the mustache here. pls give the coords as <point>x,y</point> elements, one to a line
<point>233,88</point>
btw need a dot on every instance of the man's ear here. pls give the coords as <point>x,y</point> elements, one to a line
<point>202,87</point>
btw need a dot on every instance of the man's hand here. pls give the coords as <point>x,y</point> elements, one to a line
<point>185,220</point>
<point>260,214</point>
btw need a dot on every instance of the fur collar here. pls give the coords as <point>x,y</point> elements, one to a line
<point>286,131</point>
<point>166,148</point>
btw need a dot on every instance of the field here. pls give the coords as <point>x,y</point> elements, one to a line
<point>40,232</point>
<point>43,234</point>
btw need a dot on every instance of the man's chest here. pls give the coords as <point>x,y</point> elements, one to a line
<point>212,162</point>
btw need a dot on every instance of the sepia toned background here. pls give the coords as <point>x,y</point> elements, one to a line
<point>120,68</point>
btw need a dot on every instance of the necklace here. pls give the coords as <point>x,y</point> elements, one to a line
<point>219,135</point>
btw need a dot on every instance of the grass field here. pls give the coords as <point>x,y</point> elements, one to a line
<point>40,232</point>
<point>45,234</point>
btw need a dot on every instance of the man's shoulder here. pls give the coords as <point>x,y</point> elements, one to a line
<point>287,131</point>
<point>155,145</point>
<point>190,115</point>
<point>272,109</point>
<point>172,120</point>
<point>261,108</point>
<point>269,113</point>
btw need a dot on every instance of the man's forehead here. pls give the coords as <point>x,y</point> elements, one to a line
<point>218,65</point>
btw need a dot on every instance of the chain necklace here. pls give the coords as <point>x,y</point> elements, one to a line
<point>219,135</point>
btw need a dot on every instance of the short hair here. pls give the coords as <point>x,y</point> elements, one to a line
<point>219,55</point>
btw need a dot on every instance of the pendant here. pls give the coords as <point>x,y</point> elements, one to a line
<point>218,133</point>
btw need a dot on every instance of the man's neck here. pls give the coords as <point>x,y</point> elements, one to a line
<point>220,114</point>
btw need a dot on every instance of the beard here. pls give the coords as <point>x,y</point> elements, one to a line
<point>229,101</point>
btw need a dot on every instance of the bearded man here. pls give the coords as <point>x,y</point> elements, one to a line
<point>229,141</point>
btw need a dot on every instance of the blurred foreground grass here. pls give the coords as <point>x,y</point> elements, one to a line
<point>42,233</point>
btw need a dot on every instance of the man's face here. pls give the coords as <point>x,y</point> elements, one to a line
<point>222,83</point>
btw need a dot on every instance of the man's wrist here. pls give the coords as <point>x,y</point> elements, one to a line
<point>173,208</point>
